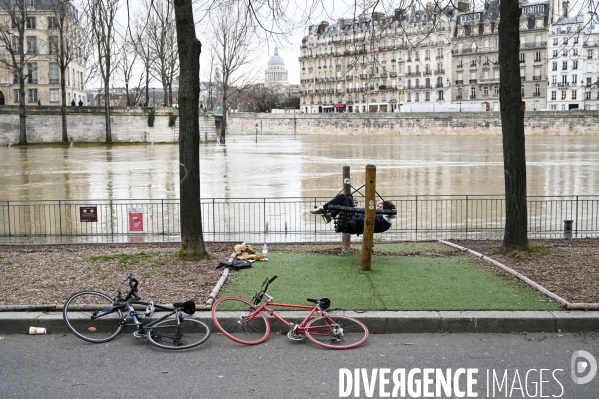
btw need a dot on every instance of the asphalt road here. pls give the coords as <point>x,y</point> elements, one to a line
<point>62,366</point>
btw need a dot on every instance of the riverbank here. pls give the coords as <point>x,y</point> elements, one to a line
<point>49,274</point>
<point>88,124</point>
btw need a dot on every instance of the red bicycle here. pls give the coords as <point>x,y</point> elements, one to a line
<point>244,321</point>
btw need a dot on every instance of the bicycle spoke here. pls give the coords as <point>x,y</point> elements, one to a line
<point>336,332</point>
<point>167,334</point>
<point>83,315</point>
<point>237,319</point>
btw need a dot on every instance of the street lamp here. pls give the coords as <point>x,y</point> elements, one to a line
<point>154,97</point>
<point>256,132</point>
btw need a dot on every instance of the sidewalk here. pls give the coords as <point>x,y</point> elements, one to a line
<point>378,322</point>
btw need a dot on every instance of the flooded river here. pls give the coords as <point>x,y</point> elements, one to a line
<point>301,166</point>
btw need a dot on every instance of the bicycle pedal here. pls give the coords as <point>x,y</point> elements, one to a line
<point>137,334</point>
<point>295,337</point>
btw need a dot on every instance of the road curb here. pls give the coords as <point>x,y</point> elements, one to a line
<point>378,322</point>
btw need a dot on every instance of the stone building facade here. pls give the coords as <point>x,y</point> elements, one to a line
<point>434,59</point>
<point>42,85</point>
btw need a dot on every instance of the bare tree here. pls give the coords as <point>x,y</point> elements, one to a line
<point>141,42</point>
<point>15,56</point>
<point>102,22</point>
<point>163,46</point>
<point>128,58</point>
<point>65,48</point>
<point>232,38</point>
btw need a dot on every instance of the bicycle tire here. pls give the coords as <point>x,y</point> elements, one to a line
<point>228,315</point>
<point>321,331</point>
<point>166,335</point>
<point>78,311</point>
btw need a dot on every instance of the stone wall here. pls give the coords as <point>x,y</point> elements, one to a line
<point>465,123</point>
<point>87,124</point>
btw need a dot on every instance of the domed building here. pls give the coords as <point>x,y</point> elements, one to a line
<point>276,74</point>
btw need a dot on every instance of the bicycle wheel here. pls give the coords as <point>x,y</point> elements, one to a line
<point>336,332</point>
<point>89,315</point>
<point>236,319</point>
<point>167,334</point>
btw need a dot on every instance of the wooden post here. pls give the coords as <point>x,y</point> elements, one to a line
<point>346,238</point>
<point>369,215</point>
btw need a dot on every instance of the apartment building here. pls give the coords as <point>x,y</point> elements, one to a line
<point>476,56</point>
<point>42,39</point>
<point>565,47</point>
<point>590,60</point>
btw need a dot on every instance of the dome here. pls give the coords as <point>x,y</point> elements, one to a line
<point>276,59</point>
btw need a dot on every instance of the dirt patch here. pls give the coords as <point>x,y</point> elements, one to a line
<point>49,274</point>
<point>567,267</point>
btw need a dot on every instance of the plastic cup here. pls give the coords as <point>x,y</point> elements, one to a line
<point>37,330</point>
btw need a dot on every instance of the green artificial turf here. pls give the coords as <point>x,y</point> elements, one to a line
<point>424,279</point>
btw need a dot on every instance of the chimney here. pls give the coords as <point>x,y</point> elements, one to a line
<point>566,8</point>
<point>463,6</point>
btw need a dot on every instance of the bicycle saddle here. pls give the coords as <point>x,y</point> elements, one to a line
<point>322,303</point>
<point>188,307</point>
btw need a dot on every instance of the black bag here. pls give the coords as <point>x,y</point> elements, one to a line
<point>236,264</point>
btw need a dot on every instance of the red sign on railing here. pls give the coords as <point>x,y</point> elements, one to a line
<point>136,220</point>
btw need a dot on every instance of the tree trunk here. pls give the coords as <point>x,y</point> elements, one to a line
<point>107,112</point>
<point>192,239</point>
<point>63,108</point>
<point>512,123</point>
<point>22,112</point>
<point>223,124</point>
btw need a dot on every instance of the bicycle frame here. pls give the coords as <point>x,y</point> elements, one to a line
<point>128,306</point>
<point>301,326</point>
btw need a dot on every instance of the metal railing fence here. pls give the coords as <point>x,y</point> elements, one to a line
<point>288,219</point>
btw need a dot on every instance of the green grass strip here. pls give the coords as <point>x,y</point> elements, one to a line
<point>420,282</point>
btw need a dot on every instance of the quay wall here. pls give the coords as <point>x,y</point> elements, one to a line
<point>550,123</point>
<point>87,124</point>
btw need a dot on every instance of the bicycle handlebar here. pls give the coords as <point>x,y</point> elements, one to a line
<point>273,279</point>
<point>259,295</point>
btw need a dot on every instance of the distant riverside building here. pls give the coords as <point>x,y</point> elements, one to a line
<point>42,41</point>
<point>440,59</point>
<point>276,75</point>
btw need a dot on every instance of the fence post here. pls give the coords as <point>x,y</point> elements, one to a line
<point>162,206</point>
<point>416,238</point>
<point>111,219</point>
<point>467,217</point>
<point>60,217</point>
<point>576,217</point>
<point>8,208</point>
<point>213,218</point>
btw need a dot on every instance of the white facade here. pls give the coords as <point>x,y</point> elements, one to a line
<point>566,77</point>
<point>42,85</point>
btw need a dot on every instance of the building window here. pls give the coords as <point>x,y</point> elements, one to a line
<point>31,45</point>
<point>32,73</point>
<point>17,95</point>
<point>53,45</point>
<point>427,96</point>
<point>30,23</point>
<point>440,95</point>
<point>53,73</point>
<point>574,64</point>
<point>15,45</point>
<point>589,54</point>
<point>52,23</point>
<point>521,57</point>
<point>54,95</point>
<point>564,65</point>
<point>553,95</point>
<point>573,94</point>
<point>32,95</point>
<point>472,93</point>
<point>564,94</point>
<point>554,66</point>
